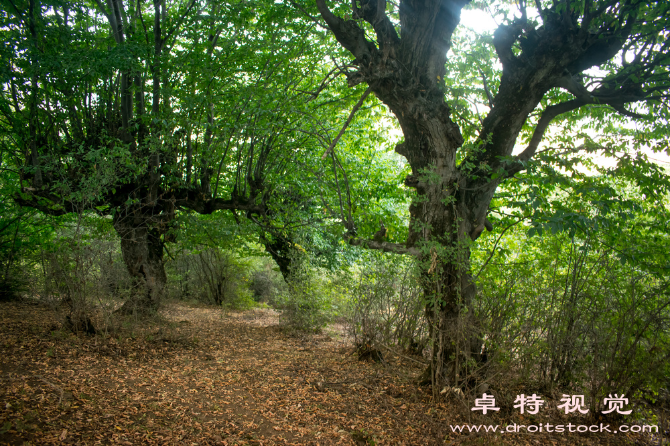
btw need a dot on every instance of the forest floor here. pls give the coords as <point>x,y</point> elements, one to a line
<point>201,376</point>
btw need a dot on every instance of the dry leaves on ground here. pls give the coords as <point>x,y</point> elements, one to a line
<point>202,377</point>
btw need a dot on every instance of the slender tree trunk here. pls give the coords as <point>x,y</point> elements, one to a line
<point>142,251</point>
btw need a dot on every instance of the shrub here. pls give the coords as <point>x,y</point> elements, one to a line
<point>266,284</point>
<point>307,302</point>
<point>386,306</point>
<point>568,313</point>
<point>213,276</point>
<point>13,282</point>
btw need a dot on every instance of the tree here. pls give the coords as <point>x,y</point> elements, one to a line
<point>139,110</point>
<point>547,54</point>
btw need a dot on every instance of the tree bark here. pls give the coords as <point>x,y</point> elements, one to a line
<point>445,217</point>
<point>280,249</point>
<point>142,251</point>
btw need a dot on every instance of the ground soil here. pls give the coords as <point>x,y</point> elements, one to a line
<point>201,376</point>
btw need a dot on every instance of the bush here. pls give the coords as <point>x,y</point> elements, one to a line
<point>212,276</point>
<point>18,244</point>
<point>13,279</point>
<point>12,284</point>
<point>79,273</point>
<point>569,314</point>
<point>307,304</point>
<point>267,284</point>
<point>77,270</point>
<point>387,306</point>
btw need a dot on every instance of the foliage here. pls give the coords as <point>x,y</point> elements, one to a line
<point>267,284</point>
<point>13,238</point>
<point>576,308</point>
<point>212,276</point>
<point>142,120</point>
<point>77,269</point>
<point>148,118</point>
<point>23,232</point>
<point>314,296</point>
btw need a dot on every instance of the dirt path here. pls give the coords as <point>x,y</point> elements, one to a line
<point>205,378</point>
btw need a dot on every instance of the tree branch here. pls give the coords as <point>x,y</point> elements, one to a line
<point>489,96</point>
<point>572,86</point>
<point>29,198</point>
<point>374,12</point>
<point>203,206</point>
<point>548,115</point>
<point>395,248</point>
<point>304,11</point>
<point>623,111</point>
<point>348,33</point>
<point>176,27</point>
<point>495,245</point>
<point>346,124</point>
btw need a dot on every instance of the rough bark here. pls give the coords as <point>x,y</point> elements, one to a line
<point>142,251</point>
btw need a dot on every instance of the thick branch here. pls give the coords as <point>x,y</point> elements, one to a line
<point>547,116</point>
<point>630,114</point>
<point>29,199</point>
<point>395,248</point>
<point>552,56</point>
<point>203,206</point>
<point>374,12</point>
<point>574,87</point>
<point>551,112</point>
<point>348,33</point>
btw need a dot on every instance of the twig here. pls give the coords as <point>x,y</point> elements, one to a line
<point>403,356</point>
<point>60,391</point>
<point>496,245</point>
<point>314,19</point>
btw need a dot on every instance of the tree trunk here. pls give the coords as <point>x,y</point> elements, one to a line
<point>445,218</point>
<point>142,251</point>
<point>283,253</point>
<point>450,293</point>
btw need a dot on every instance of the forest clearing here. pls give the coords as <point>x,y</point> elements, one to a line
<point>201,376</point>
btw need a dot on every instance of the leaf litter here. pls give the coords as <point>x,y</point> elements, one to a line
<point>200,376</point>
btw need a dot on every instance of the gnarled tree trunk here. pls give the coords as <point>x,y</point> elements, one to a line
<point>142,251</point>
<point>445,217</point>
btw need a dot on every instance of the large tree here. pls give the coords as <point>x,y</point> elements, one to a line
<point>137,110</point>
<point>553,58</point>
